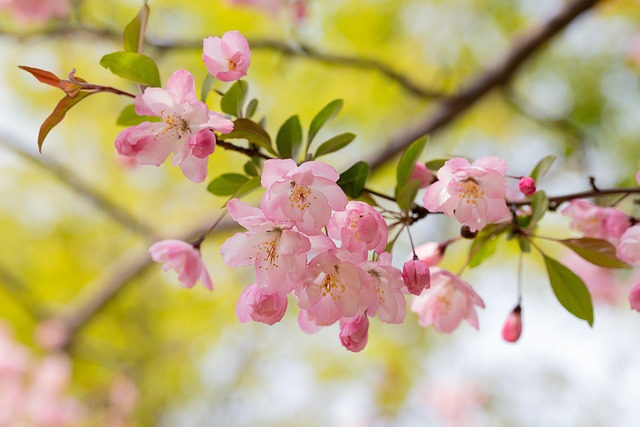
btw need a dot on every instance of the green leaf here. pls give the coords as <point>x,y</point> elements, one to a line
<point>132,66</point>
<point>524,244</point>
<point>251,169</point>
<point>542,168</point>
<point>596,251</point>
<point>289,138</point>
<point>58,114</point>
<point>408,161</point>
<point>252,132</point>
<point>233,101</point>
<point>128,117</point>
<point>481,249</point>
<point>134,31</point>
<point>407,194</point>
<point>206,87</point>
<point>227,184</point>
<point>251,108</point>
<point>334,144</point>
<point>247,187</point>
<point>353,179</point>
<point>539,207</point>
<point>327,113</point>
<point>570,290</point>
<point>435,164</point>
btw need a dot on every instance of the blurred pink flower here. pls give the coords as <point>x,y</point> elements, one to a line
<point>447,302</point>
<point>184,259</point>
<point>628,249</point>
<point>423,174</point>
<point>186,128</point>
<point>634,298</point>
<point>473,193</point>
<point>597,222</point>
<point>36,11</point>
<point>431,253</point>
<point>600,281</point>
<point>227,58</point>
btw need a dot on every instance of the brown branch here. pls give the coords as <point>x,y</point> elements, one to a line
<point>249,152</point>
<point>498,75</point>
<point>299,50</point>
<point>556,201</point>
<point>72,181</point>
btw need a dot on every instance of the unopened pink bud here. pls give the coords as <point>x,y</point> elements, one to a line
<point>424,174</point>
<point>513,326</point>
<point>431,253</point>
<point>634,298</point>
<point>416,276</point>
<point>527,186</point>
<point>354,333</point>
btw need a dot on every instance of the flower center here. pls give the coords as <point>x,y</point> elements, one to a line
<point>176,125</point>
<point>471,191</point>
<point>269,250</point>
<point>332,283</point>
<point>299,196</point>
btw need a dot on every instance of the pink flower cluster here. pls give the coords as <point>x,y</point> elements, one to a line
<point>606,223</point>
<point>33,391</point>
<point>187,126</point>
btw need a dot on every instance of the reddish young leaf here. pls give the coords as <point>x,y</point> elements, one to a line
<point>43,76</point>
<point>58,114</point>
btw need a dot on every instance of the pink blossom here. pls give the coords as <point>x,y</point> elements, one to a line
<point>422,173</point>
<point>36,11</point>
<point>304,194</point>
<point>447,302</point>
<point>52,334</point>
<point>227,58</point>
<point>431,253</point>
<point>186,128</point>
<point>638,177</point>
<point>354,333</point>
<point>634,297</point>
<point>416,276</point>
<point>306,324</point>
<point>597,222</point>
<point>527,186</point>
<point>184,259</point>
<point>473,193</point>
<point>360,228</point>
<point>628,249</point>
<point>512,328</point>
<point>389,303</point>
<point>255,304</point>
<point>278,253</point>
<point>334,287</point>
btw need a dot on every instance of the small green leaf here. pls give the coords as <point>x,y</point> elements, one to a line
<point>251,108</point>
<point>58,114</point>
<point>570,290</point>
<point>233,101</point>
<point>128,117</point>
<point>132,66</point>
<point>334,144</point>
<point>206,87</point>
<point>481,249</point>
<point>539,207</point>
<point>289,138</point>
<point>407,194</point>
<point>252,132</point>
<point>596,251</point>
<point>524,244</point>
<point>435,164</point>
<point>327,113</point>
<point>251,169</point>
<point>247,187</point>
<point>134,31</point>
<point>353,179</point>
<point>542,168</point>
<point>227,184</point>
<point>408,161</point>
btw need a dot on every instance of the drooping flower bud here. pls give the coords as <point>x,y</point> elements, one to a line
<point>634,298</point>
<point>527,186</point>
<point>260,306</point>
<point>416,276</point>
<point>354,332</point>
<point>512,328</point>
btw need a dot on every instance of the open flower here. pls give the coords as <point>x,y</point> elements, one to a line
<point>389,305</point>
<point>628,249</point>
<point>473,193</point>
<point>447,302</point>
<point>304,194</point>
<point>227,58</point>
<point>186,128</point>
<point>184,259</point>
<point>597,222</point>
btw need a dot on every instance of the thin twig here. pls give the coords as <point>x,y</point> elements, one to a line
<point>498,75</point>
